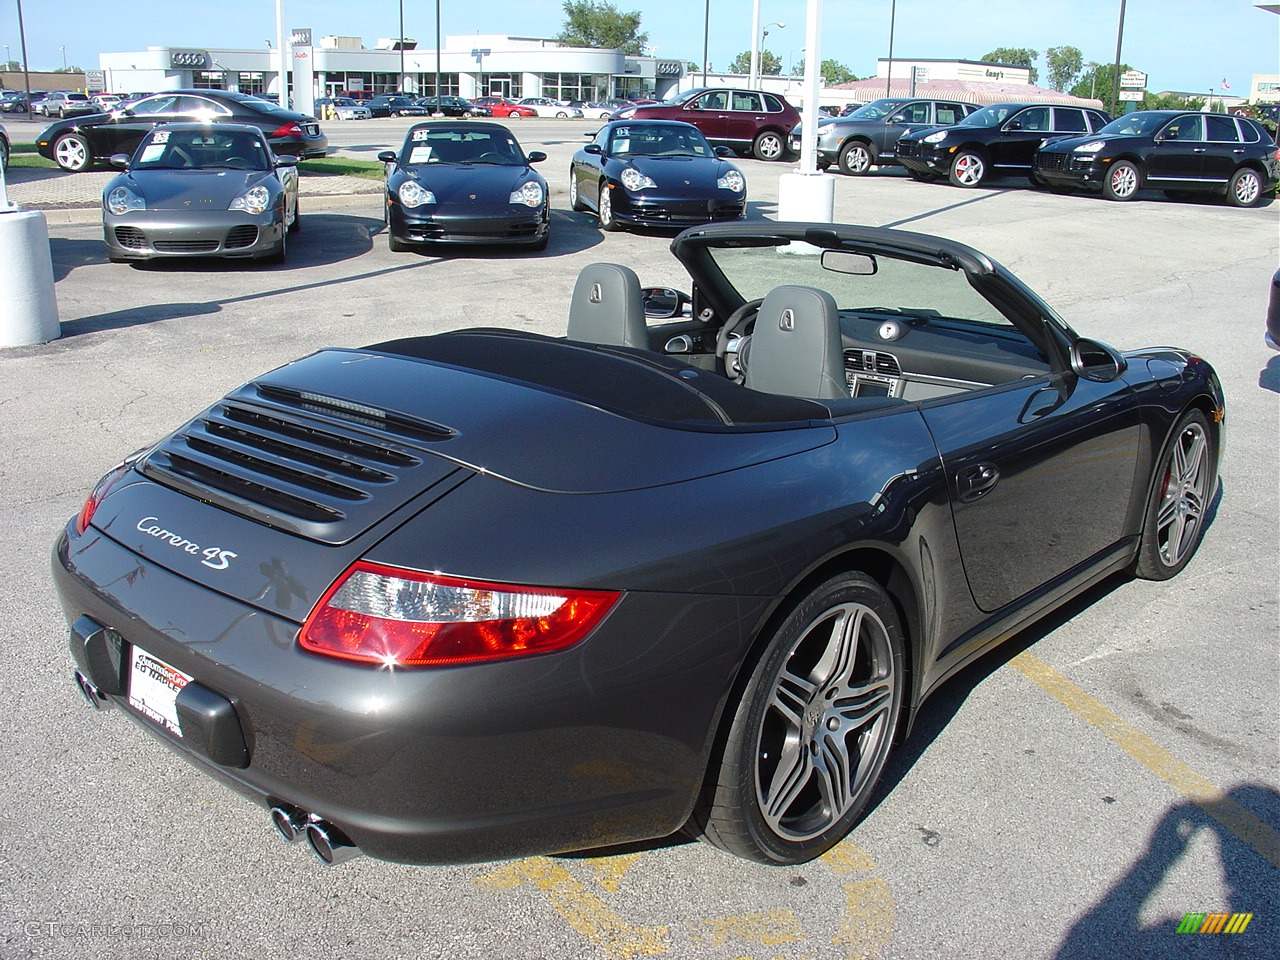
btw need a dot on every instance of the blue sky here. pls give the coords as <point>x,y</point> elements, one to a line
<point>1181,44</point>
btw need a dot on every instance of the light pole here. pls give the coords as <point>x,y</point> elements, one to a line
<point>706,38</point>
<point>764,36</point>
<point>893,15</point>
<point>63,48</point>
<point>1115,73</point>
<point>401,46</point>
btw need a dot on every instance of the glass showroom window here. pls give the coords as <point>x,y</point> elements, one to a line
<point>251,83</point>
<point>427,84</point>
<point>209,80</point>
<point>502,85</point>
<point>570,86</point>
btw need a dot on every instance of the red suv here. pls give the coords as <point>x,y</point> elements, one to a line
<point>746,120</point>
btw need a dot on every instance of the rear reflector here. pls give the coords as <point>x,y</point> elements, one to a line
<point>406,618</point>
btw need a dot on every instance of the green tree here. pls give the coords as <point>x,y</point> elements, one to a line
<point>833,72</point>
<point>1014,57</point>
<point>589,23</point>
<point>1063,65</point>
<point>770,63</point>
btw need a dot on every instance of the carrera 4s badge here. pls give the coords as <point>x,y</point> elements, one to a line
<point>215,558</point>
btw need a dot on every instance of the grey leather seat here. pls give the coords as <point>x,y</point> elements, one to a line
<point>608,307</point>
<point>796,348</point>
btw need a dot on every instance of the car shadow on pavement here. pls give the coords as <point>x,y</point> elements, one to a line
<point>986,194</point>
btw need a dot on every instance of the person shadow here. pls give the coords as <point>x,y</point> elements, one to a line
<point>1114,926</point>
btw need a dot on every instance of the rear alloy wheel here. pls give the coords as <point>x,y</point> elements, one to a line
<point>71,151</point>
<point>1175,515</point>
<point>811,735</point>
<point>768,146</point>
<point>561,115</point>
<point>1244,188</point>
<point>968,169</point>
<point>1122,181</point>
<point>575,201</point>
<point>855,158</point>
<point>605,210</point>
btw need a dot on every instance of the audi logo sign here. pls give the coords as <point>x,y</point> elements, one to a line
<point>188,58</point>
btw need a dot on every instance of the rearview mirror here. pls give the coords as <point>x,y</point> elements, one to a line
<point>845,261</point>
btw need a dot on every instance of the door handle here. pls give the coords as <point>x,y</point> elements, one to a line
<point>975,482</point>
<point>1197,149</point>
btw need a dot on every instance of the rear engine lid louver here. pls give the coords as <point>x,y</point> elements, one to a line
<point>319,466</point>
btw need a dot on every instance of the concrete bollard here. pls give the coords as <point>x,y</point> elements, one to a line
<point>28,306</point>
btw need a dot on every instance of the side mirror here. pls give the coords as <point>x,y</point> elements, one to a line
<point>1013,125</point>
<point>387,156</point>
<point>663,303</point>
<point>724,151</point>
<point>1096,361</point>
<point>288,160</point>
<point>536,156</point>
<point>898,118</point>
<point>120,160</point>
<point>593,148</point>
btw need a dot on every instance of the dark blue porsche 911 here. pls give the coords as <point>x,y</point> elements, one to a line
<point>656,173</point>
<point>464,182</point>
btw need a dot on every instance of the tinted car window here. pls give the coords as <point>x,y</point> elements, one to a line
<point>741,100</point>
<point>1222,129</point>
<point>1035,118</point>
<point>949,113</point>
<point>156,105</point>
<point>1249,131</point>
<point>1068,121</point>
<point>1096,120</point>
<point>772,103</point>
<point>1184,128</point>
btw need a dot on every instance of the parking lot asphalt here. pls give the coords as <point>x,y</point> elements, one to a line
<point>1073,795</point>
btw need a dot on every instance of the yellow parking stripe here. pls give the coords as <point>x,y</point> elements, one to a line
<point>1201,791</point>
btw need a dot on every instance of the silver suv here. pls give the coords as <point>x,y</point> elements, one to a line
<point>865,136</point>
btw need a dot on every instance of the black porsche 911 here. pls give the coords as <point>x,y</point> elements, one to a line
<point>487,594</point>
<point>657,173</point>
<point>464,182</point>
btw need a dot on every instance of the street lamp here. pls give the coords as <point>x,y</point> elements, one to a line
<point>63,48</point>
<point>764,36</point>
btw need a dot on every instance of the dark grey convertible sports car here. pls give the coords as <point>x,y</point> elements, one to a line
<point>486,593</point>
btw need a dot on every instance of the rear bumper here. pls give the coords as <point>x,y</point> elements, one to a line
<point>537,755</point>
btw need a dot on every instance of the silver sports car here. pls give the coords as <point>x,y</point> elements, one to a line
<point>200,189</point>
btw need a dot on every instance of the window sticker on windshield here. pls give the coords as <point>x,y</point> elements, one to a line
<point>421,134</point>
<point>162,136</point>
<point>420,155</point>
<point>151,151</point>
<point>621,145</point>
<point>622,131</point>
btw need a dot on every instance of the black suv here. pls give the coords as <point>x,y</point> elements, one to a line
<point>1174,151</point>
<point>997,140</point>
<point>867,135</point>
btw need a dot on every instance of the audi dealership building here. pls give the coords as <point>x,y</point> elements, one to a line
<point>469,66</point>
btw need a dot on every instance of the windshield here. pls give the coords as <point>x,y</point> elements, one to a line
<point>658,140</point>
<point>1135,124</point>
<point>991,116</point>
<point>204,149</point>
<point>461,144</point>
<point>872,285</point>
<point>875,110</point>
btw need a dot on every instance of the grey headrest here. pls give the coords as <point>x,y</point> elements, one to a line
<point>607,307</point>
<point>796,348</point>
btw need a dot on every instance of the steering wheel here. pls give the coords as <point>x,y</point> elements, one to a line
<point>237,163</point>
<point>491,157</point>
<point>738,321</point>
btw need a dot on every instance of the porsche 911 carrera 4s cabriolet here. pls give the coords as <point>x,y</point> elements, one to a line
<point>487,594</point>
<point>464,182</point>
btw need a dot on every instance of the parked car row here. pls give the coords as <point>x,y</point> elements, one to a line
<point>1059,146</point>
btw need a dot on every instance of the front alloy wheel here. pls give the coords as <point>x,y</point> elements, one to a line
<point>72,152</point>
<point>813,730</point>
<point>1175,516</point>
<point>968,170</point>
<point>1122,181</point>
<point>855,159</point>
<point>605,209</point>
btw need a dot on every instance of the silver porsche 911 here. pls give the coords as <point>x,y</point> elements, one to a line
<point>198,190</point>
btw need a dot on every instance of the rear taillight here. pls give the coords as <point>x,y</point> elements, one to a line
<point>100,490</point>
<point>290,129</point>
<point>406,618</point>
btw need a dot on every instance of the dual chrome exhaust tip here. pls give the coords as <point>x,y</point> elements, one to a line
<point>327,842</point>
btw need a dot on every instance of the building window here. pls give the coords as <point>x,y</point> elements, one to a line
<point>251,83</point>
<point>574,86</point>
<point>501,85</point>
<point>426,83</point>
<point>209,80</point>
